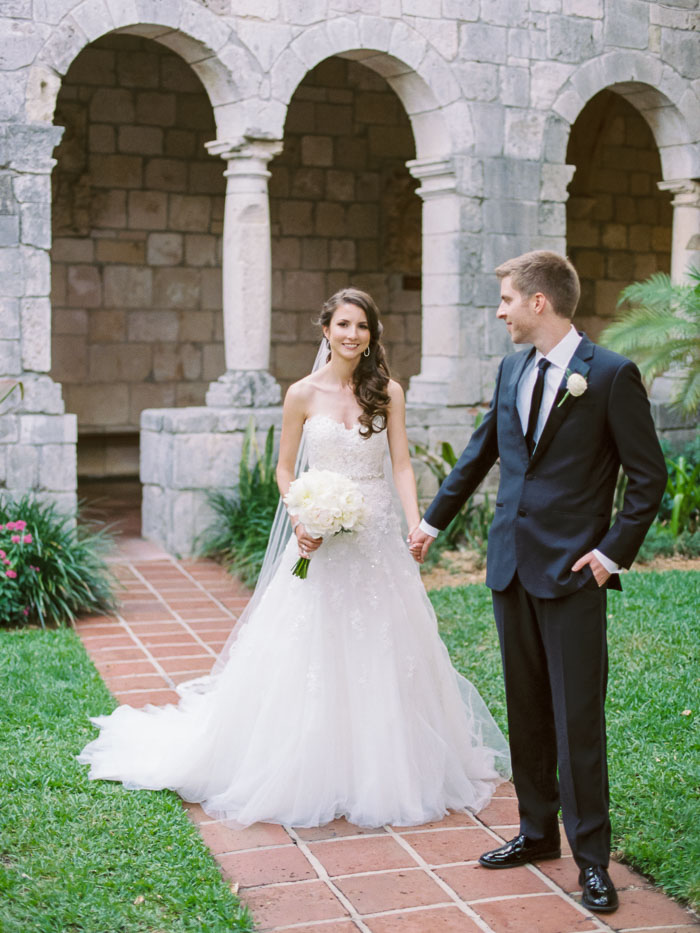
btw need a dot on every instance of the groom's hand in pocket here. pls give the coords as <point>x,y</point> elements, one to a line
<point>600,574</point>
<point>419,544</point>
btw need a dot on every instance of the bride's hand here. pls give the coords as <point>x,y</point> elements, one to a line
<point>307,544</point>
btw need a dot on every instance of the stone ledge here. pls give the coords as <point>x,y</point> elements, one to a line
<point>205,420</point>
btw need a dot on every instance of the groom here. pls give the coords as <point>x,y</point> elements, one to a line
<point>563,418</point>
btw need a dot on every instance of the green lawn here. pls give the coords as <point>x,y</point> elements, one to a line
<point>91,857</point>
<point>653,740</point>
<point>77,855</point>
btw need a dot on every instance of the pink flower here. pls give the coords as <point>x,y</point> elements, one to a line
<point>20,525</point>
<point>25,611</point>
<point>35,569</point>
<point>10,526</point>
<point>1,527</point>
<point>2,555</point>
<point>5,560</point>
<point>27,539</point>
<point>15,539</point>
<point>11,573</point>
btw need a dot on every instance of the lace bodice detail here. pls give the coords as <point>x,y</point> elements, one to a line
<point>332,446</point>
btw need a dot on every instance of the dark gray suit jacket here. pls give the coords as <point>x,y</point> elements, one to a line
<point>556,506</point>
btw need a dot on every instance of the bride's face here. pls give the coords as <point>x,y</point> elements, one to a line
<point>348,332</point>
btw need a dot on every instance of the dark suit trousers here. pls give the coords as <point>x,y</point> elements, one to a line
<point>555,663</point>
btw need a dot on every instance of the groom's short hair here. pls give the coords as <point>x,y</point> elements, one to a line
<point>546,272</point>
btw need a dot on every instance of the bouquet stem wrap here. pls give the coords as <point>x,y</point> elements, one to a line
<point>325,503</point>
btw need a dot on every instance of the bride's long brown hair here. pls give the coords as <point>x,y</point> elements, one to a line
<point>371,376</point>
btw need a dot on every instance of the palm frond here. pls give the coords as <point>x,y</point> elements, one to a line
<point>661,331</point>
<point>688,395</point>
<point>643,326</point>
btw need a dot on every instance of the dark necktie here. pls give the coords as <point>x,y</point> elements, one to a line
<point>535,403</point>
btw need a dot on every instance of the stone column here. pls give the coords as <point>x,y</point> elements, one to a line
<point>441,337</point>
<point>37,438</point>
<point>685,247</point>
<point>246,271</point>
<point>685,250</point>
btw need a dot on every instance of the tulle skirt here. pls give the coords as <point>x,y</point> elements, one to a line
<point>338,698</point>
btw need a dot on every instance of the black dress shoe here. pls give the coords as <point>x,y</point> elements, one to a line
<point>599,892</point>
<point>519,851</point>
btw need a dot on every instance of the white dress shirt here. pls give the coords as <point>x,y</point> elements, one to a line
<point>559,358</point>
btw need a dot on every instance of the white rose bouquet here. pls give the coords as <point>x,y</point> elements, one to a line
<point>326,503</point>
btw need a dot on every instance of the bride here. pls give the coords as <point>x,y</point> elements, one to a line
<point>337,697</point>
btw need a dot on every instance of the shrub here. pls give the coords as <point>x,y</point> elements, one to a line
<point>244,518</point>
<point>52,570</point>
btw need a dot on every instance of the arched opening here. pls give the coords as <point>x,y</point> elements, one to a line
<point>344,211</point>
<point>618,222</point>
<point>136,266</point>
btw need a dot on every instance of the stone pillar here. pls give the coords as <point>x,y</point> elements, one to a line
<point>685,248</point>
<point>37,438</point>
<point>246,271</point>
<point>441,325</point>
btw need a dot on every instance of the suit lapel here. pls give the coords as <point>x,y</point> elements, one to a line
<point>519,365</point>
<point>579,363</point>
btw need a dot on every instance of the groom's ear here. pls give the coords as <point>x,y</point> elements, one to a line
<point>539,302</point>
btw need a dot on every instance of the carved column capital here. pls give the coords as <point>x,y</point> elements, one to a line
<point>247,156</point>
<point>436,175</point>
<point>686,224</point>
<point>685,191</point>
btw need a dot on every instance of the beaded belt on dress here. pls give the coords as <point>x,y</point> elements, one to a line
<point>362,477</point>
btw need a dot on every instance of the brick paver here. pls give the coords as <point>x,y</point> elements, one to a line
<point>341,878</point>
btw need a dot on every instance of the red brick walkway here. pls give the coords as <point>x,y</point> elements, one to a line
<point>174,617</point>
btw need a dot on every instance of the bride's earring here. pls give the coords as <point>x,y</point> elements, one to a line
<point>366,352</point>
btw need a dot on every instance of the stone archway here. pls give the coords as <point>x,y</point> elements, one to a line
<point>184,26</point>
<point>137,217</point>
<point>670,107</point>
<point>618,221</point>
<point>441,125</point>
<point>229,73</point>
<point>344,211</point>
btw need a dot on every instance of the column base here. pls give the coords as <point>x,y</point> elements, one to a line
<point>244,388</point>
<point>38,444</point>
<point>186,453</point>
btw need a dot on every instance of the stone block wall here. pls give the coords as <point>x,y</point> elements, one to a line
<point>344,211</point>
<point>618,222</point>
<point>137,223</point>
<point>184,454</point>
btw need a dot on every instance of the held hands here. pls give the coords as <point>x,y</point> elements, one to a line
<point>599,572</point>
<point>419,544</point>
<point>307,544</point>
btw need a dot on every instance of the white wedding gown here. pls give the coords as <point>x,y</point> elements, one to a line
<point>338,697</point>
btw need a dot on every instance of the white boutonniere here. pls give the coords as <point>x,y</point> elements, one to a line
<point>575,385</point>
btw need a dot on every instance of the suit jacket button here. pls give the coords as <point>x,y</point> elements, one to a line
<point>522,513</point>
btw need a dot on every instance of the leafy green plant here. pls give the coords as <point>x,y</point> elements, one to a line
<point>470,526</point>
<point>661,332</point>
<point>244,518</point>
<point>52,569</point>
<point>680,507</point>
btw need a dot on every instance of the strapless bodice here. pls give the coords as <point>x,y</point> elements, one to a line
<point>332,446</point>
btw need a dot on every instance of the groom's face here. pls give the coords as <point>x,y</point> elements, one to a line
<point>517,312</point>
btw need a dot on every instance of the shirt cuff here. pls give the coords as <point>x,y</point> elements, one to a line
<point>609,565</point>
<point>428,529</point>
